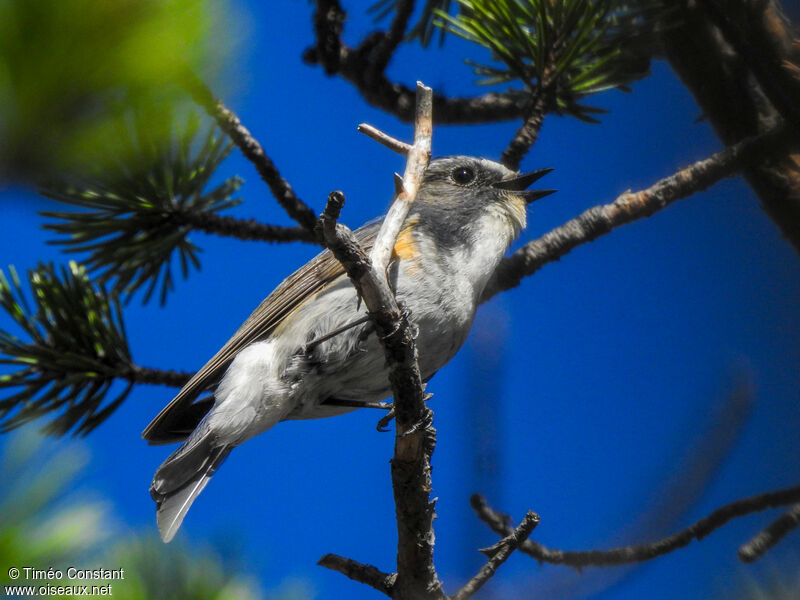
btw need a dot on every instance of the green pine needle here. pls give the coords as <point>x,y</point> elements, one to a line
<point>135,218</point>
<point>75,350</point>
<point>568,48</point>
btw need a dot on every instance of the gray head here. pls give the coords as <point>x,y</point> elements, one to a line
<point>456,190</point>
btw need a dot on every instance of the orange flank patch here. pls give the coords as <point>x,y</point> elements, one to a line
<point>406,247</point>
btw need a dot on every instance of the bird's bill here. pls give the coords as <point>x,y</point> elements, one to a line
<point>521,182</point>
<point>533,195</point>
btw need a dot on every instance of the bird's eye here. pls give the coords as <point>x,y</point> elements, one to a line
<point>463,175</point>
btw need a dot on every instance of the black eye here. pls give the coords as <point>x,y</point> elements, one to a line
<point>463,175</point>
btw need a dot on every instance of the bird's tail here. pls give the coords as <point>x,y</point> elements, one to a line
<point>181,478</point>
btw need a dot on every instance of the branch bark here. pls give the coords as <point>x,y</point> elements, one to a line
<point>777,530</point>
<point>735,106</point>
<point>364,65</point>
<point>366,574</point>
<point>499,523</point>
<point>229,123</point>
<point>498,554</point>
<point>630,206</point>
<point>247,229</point>
<point>415,437</point>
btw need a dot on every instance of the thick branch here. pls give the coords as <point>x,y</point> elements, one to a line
<point>498,554</point>
<point>732,103</point>
<point>366,574</point>
<point>416,575</point>
<point>499,523</point>
<point>361,66</point>
<point>253,151</point>
<point>630,206</point>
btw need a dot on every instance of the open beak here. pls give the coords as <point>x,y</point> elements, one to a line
<point>519,184</point>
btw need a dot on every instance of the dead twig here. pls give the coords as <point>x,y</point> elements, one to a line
<point>393,144</point>
<point>500,524</point>
<point>366,574</point>
<point>498,554</point>
<point>774,533</point>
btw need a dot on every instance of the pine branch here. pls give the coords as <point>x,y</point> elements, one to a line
<point>254,152</point>
<point>136,217</point>
<point>631,206</point>
<point>76,350</point>
<point>526,136</point>
<point>353,64</point>
<point>499,523</point>
<point>567,49</point>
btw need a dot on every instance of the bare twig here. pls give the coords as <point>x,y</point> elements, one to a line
<point>253,151</point>
<point>770,536</point>
<point>498,555</point>
<point>630,206</point>
<point>499,523</point>
<point>366,574</point>
<point>418,157</point>
<point>376,134</point>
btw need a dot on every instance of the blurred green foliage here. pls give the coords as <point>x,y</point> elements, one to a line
<point>70,69</point>
<point>45,523</point>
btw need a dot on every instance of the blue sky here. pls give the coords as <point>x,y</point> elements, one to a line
<point>583,395</point>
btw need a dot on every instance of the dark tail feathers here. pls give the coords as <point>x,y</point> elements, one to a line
<point>180,479</point>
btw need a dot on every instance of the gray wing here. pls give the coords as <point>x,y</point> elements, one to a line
<point>296,289</point>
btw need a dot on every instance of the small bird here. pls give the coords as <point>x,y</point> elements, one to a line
<point>308,352</point>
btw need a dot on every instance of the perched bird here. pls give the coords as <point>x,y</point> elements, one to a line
<point>283,362</point>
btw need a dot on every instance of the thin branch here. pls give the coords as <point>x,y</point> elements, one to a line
<point>253,151</point>
<point>499,523</point>
<point>393,144</point>
<point>498,554</point>
<point>417,161</point>
<point>247,229</point>
<point>384,49</point>
<point>774,533</point>
<point>366,574</point>
<point>630,206</point>
<point>157,376</point>
<point>358,66</point>
<point>527,134</point>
